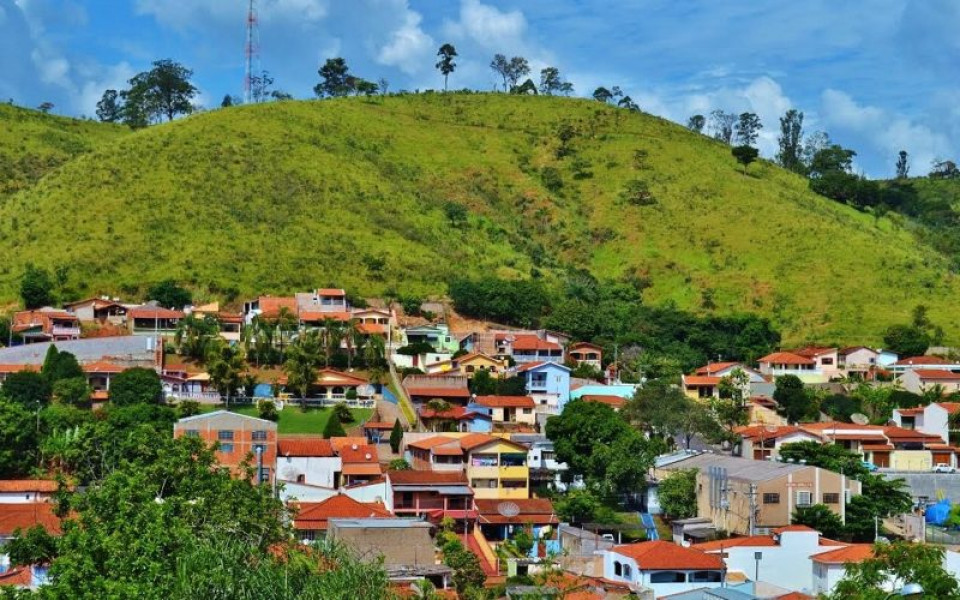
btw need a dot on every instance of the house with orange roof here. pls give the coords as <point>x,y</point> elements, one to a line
<point>423,388</point>
<point>927,362</point>
<point>101,310</point>
<point>468,364</point>
<point>45,325</point>
<point>308,459</point>
<point>311,519</point>
<point>269,307</point>
<point>825,359</point>
<point>24,491</point>
<point>548,383</point>
<point>456,418</point>
<point>528,348</point>
<point>585,353</point>
<point>663,567</point>
<point>509,410</point>
<point>933,418</point>
<point>432,494</point>
<point>920,381</point>
<point>152,320</point>
<point>361,464</point>
<point>789,363</point>
<point>495,467</point>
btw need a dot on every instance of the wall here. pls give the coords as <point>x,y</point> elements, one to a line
<point>376,492</point>
<point>911,460</point>
<point>929,485</point>
<point>787,565</point>
<point>399,546</point>
<point>319,471</point>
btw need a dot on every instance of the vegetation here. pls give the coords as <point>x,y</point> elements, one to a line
<point>901,563</point>
<point>382,154</point>
<point>678,494</point>
<point>136,386</point>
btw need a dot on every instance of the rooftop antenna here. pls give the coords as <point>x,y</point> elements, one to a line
<point>251,50</point>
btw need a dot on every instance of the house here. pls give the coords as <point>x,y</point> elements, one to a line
<point>437,337</point>
<point>25,491</point>
<point>585,353</point>
<point>154,321</point>
<point>309,460</point>
<point>923,362</point>
<point>332,386</point>
<point>548,383</point>
<point>498,520</point>
<point>786,556</point>
<point>240,438</point>
<point>101,373</point>
<point>763,442</point>
<point>744,496</point>
<point>311,519</point>
<point>830,567</point>
<point>545,469</point>
<point>456,418</point>
<point>433,495</point>
<point>318,306</point>
<point>826,360</point>
<point>495,467</point>
<point>360,464</point>
<point>919,381</point>
<point>404,546</point>
<point>423,388</point>
<point>102,310</point>
<point>788,363</point>
<point>21,516</point>
<point>509,410</point>
<point>626,391</point>
<point>45,325</point>
<point>933,419</point>
<point>530,348</point>
<point>468,364</point>
<point>705,381</point>
<point>700,387</point>
<point>663,567</point>
<point>858,362</point>
<point>269,307</point>
<point>614,402</point>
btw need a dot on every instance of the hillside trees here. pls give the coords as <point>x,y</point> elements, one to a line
<point>794,402</point>
<point>551,83</point>
<point>163,91</point>
<point>696,123</point>
<point>513,302</point>
<point>510,70</point>
<point>789,155</point>
<point>110,107</point>
<point>721,124</point>
<point>303,359</point>
<point>602,94</point>
<point>334,78</point>
<point>36,287</point>
<point>446,65</point>
<point>136,386</point>
<point>748,128</point>
<point>169,294</point>
<point>903,167</point>
<point>745,155</point>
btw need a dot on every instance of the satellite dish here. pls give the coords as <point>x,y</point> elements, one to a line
<point>860,418</point>
<point>366,390</point>
<point>508,509</point>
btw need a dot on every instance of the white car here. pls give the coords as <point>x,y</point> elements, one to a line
<point>943,468</point>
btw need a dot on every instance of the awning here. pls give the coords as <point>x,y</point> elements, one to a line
<point>443,490</point>
<point>462,490</point>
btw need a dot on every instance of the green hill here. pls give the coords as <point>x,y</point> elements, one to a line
<point>33,144</point>
<point>364,193</point>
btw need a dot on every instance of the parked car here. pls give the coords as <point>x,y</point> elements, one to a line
<point>869,466</point>
<point>944,468</point>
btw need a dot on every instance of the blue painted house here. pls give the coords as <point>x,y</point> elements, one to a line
<point>548,383</point>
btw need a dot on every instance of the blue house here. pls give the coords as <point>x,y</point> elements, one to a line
<point>548,383</point>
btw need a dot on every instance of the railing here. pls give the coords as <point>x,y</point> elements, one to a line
<point>65,330</point>
<point>485,548</point>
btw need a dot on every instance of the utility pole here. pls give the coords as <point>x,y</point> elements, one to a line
<point>753,509</point>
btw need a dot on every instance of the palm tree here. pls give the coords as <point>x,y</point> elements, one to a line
<point>303,358</point>
<point>225,364</point>
<point>287,322</point>
<point>355,341</point>
<point>440,407</point>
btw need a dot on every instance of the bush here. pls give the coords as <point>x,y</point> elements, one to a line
<point>36,288</point>
<point>267,409</point>
<point>678,494</point>
<point>188,408</point>
<point>637,193</point>
<point>27,388</point>
<point>170,295</point>
<point>73,391</point>
<point>551,179</point>
<point>136,386</point>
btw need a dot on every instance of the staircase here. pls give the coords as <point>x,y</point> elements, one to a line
<point>477,543</point>
<point>646,519</point>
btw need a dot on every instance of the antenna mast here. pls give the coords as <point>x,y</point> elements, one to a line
<point>251,50</point>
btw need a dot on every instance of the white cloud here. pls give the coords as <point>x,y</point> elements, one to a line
<point>409,48</point>
<point>489,27</point>
<point>199,14</point>
<point>887,132</point>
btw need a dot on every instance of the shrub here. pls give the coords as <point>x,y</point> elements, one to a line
<point>267,409</point>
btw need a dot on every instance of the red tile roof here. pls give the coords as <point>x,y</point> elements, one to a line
<point>305,446</point>
<point>315,515</point>
<point>359,453</point>
<point>530,365</point>
<point>439,392</point>
<point>579,345</point>
<point>756,432</point>
<point>103,367</point>
<point>785,358</point>
<point>951,407</point>
<point>17,576</point>
<point>532,342</point>
<point>690,380</point>
<point>7,369</point>
<point>853,553</point>
<point>382,425</point>
<point>12,486</point>
<point>665,555</point>
<point>939,374</point>
<point>789,528</point>
<point>506,401</point>
<point>922,360</point>
<point>339,442</point>
<point>712,368</point>
<point>25,516</point>
<point>538,511</point>
<point>311,315</point>
<point>755,540</point>
<point>331,292</point>
<point>813,351</point>
<point>432,442</point>
<point>411,477</point>
<point>457,413</point>
<point>154,312</point>
<point>272,304</point>
<point>614,401</point>
<point>371,328</point>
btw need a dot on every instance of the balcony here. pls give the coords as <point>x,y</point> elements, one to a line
<point>61,331</point>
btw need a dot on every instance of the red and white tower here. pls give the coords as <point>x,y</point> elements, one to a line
<point>251,51</point>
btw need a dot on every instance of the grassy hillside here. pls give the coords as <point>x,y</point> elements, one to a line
<point>357,192</point>
<point>33,144</point>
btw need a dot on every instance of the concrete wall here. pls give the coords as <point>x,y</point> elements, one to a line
<point>399,546</point>
<point>929,484</point>
<point>319,471</point>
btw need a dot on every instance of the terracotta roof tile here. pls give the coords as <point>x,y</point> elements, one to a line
<point>506,401</point>
<point>12,486</point>
<point>359,453</point>
<point>712,368</point>
<point>154,312</point>
<point>439,392</point>
<point>765,541</point>
<point>853,553</point>
<point>532,342</point>
<point>785,358</point>
<point>25,516</point>
<point>665,555</point>
<point>613,401</point>
<point>304,446</point>
<point>701,380</point>
<point>938,374</point>
<point>922,360</point>
<point>17,576</point>
<point>316,515</point>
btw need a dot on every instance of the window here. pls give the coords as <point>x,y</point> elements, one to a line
<point>771,498</point>
<point>668,577</point>
<point>226,448</point>
<point>191,433</point>
<point>705,576</point>
<point>484,483</point>
<point>258,436</point>
<point>527,411</point>
<point>261,447</point>
<point>831,498</point>
<point>804,498</point>
<point>617,568</point>
<point>301,478</point>
<point>264,474</point>
<point>484,460</point>
<point>513,484</point>
<point>470,369</point>
<point>826,361</point>
<point>627,571</point>
<point>225,435</point>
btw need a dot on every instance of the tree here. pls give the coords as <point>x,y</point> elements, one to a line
<point>510,70</point>
<point>334,74</point>
<point>482,384</point>
<point>903,168</point>
<point>267,409</point>
<point>73,391</point>
<point>831,457</point>
<point>664,411</point>
<point>944,169</point>
<point>195,335</point>
<point>721,123</point>
<point>366,88</point>
<point>896,564</point>
<point>831,159</point>
<point>31,547</point>
<point>170,295</point>
<point>628,103</point>
<point>745,155</point>
<point>602,94</point>
<point>61,365</point>
<point>227,101</point>
<point>260,85</point>
<point>551,83</point>
<point>135,386</point>
<point>333,427</point>
<point>598,445</point>
<point>45,107</point>
<point>445,65</point>
<point>399,464</point>
<point>36,288</point>
<point>794,402</point>
<point>163,91</point>
<point>906,340</point>
<point>110,108</point>
<point>819,517</point>
<point>814,143</point>
<point>748,128</point>
<point>396,436</point>
<point>696,123</point>
<point>18,438</point>
<point>501,66</point>
<point>27,388</point>
<point>303,358</point>
<point>789,156</point>
<point>678,494</point>
<point>342,412</point>
<point>225,365</point>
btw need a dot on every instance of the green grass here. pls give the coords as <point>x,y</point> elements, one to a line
<point>287,196</point>
<point>312,421</point>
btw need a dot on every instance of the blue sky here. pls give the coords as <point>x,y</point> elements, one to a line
<point>878,75</point>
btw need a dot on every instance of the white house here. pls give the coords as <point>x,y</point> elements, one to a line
<point>788,363</point>
<point>918,381</point>
<point>26,491</point>
<point>308,460</point>
<point>923,362</point>
<point>933,418</point>
<point>858,361</point>
<point>663,567</point>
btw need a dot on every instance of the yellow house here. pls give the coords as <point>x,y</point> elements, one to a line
<point>495,467</point>
<point>509,410</point>
<point>468,364</point>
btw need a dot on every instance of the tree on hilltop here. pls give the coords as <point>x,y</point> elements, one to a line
<point>334,74</point>
<point>163,91</point>
<point>445,65</point>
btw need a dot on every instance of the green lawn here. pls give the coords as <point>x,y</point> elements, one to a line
<point>295,420</point>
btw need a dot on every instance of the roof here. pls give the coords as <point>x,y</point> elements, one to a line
<point>455,412</point>
<point>532,342</point>
<point>852,349</point>
<point>578,345</point>
<point>304,446</point>
<point>432,442</point>
<point>323,315</point>
<point>712,368</point>
<point>331,292</point>
<point>476,440</point>
<point>951,407</point>
<point>154,312</point>
<point>7,369</point>
<point>794,528</point>
<point>104,367</point>
<point>274,303</point>
<point>371,328</point>
<point>12,486</point>
<point>132,349</point>
<point>25,516</point>
<point>359,453</point>
<point>315,515</point>
<point>339,442</point>
<point>785,358</point>
<point>410,477</point>
<point>853,553</point>
<point>614,401</point>
<point>743,469</point>
<point>221,413</point>
<point>940,374</point>
<point>506,401</point>
<point>17,576</point>
<point>750,541</point>
<point>814,351</point>
<point>439,392</point>
<point>531,366</point>
<point>922,360</point>
<point>534,510</point>
<point>378,425</point>
<point>701,380</point>
<point>659,555</point>
<point>756,432</point>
